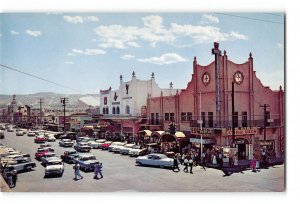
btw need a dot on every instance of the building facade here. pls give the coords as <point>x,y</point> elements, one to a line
<point>206,107</point>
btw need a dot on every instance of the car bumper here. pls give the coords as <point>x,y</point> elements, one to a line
<point>54,172</point>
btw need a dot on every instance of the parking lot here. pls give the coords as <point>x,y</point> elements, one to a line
<point>121,174</point>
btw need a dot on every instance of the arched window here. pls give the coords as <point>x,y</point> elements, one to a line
<point>113,110</point>
<point>127,110</point>
<point>107,110</point>
<point>118,110</point>
<point>103,111</point>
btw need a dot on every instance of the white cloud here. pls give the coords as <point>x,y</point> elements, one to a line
<point>279,45</point>
<point>153,32</point>
<point>33,33</point>
<point>87,51</point>
<point>211,18</point>
<point>168,58</point>
<point>80,19</point>
<point>69,62</point>
<point>127,57</point>
<point>14,32</point>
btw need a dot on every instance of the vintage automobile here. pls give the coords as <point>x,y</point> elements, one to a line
<point>54,167</point>
<point>105,145</point>
<point>14,157</point>
<point>96,144</point>
<point>45,145</point>
<point>68,135</point>
<point>19,133</point>
<point>114,144</point>
<point>46,157</point>
<point>40,153</point>
<point>126,148</point>
<point>117,148</point>
<point>10,129</point>
<point>137,151</point>
<point>82,139</point>
<point>30,133</point>
<point>82,147</point>
<point>51,138</point>
<point>40,139</point>
<point>20,164</point>
<point>87,161</point>
<point>159,160</point>
<point>1,134</point>
<point>66,143</point>
<point>69,156</point>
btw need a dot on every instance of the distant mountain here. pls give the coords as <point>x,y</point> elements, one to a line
<point>52,100</point>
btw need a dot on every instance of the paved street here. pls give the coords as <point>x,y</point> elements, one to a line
<point>121,175</point>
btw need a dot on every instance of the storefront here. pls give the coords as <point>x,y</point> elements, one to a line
<point>155,136</point>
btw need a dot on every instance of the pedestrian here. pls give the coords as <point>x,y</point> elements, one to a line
<point>76,168</point>
<point>100,170</point>
<point>14,177</point>
<point>235,161</point>
<point>182,158</point>
<point>186,163</point>
<point>191,163</point>
<point>96,170</point>
<point>9,177</point>
<point>214,160</point>
<point>253,164</point>
<point>175,164</point>
<point>220,159</point>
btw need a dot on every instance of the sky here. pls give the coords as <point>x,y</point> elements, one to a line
<point>89,51</point>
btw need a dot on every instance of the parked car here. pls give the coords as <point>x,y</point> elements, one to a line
<point>87,161</point>
<point>20,165</point>
<point>66,143</point>
<point>40,153</point>
<point>51,138</point>
<point>30,133</point>
<point>117,148</point>
<point>82,147</point>
<point>82,139</point>
<point>45,145</point>
<point>47,156</point>
<point>95,144</point>
<point>69,135</point>
<point>15,157</point>
<point>114,144</point>
<point>69,156</point>
<point>40,139</point>
<point>105,145</point>
<point>19,133</point>
<point>126,148</point>
<point>138,151</point>
<point>54,167</point>
<point>10,129</point>
<point>1,134</point>
<point>159,160</point>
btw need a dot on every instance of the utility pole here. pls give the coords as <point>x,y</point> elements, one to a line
<point>233,123</point>
<point>64,101</point>
<point>41,110</point>
<point>265,119</point>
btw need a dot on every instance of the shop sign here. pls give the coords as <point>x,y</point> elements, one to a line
<point>197,130</point>
<point>204,141</point>
<point>252,131</point>
<point>266,143</point>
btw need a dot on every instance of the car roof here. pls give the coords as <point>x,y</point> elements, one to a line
<point>54,160</point>
<point>86,155</point>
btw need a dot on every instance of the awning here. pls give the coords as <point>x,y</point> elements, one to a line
<point>147,132</point>
<point>157,133</point>
<point>180,135</point>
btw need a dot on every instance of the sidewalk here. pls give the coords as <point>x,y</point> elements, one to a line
<point>3,185</point>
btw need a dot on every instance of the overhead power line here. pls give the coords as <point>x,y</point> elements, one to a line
<point>255,19</point>
<point>37,77</point>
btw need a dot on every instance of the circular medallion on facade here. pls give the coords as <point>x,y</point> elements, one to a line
<point>205,78</point>
<point>238,77</point>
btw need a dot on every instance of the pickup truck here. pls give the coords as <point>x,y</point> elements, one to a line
<point>86,161</point>
<point>82,147</point>
<point>69,156</point>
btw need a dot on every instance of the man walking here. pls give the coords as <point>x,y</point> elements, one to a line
<point>175,164</point>
<point>98,170</point>
<point>191,163</point>
<point>77,171</point>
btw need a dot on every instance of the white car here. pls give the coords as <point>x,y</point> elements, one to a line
<point>19,133</point>
<point>51,138</point>
<point>126,148</point>
<point>118,147</point>
<point>137,151</point>
<point>66,143</point>
<point>47,156</point>
<point>20,164</point>
<point>159,160</point>
<point>54,167</point>
<point>30,133</point>
<point>95,144</point>
<point>114,144</point>
<point>15,157</point>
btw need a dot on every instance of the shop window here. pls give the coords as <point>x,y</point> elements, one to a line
<point>244,119</point>
<point>113,110</point>
<point>167,116</point>
<point>156,119</point>
<point>152,118</point>
<point>189,116</point>
<point>268,116</point>
<point>171,116</point>
<point>183,116</point>
<point>235,119</point>
<point>118,110</point>
<point>210,119</point>
<point>203,119</point>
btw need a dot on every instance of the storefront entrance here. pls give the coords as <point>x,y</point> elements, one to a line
<point>242,146</point>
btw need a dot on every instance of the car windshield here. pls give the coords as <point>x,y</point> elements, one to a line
<point>66,140</point>
<point>54,163</point>
<point>88,158</point>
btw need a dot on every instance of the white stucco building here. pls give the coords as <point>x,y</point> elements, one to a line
<point>130,99</point>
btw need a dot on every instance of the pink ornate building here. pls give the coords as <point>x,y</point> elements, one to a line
<point>205,107</point>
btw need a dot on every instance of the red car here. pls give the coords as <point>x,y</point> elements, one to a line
<point>40,153</point>
<point>40,139</point>
<point>105,145</point>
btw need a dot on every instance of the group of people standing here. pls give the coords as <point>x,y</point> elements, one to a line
<point>97,170</point>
